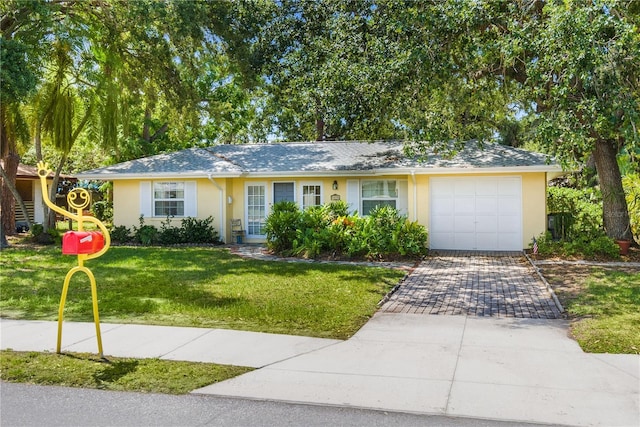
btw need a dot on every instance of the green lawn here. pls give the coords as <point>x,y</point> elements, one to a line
<point>603,305</point>
<point>195,286</point>
<point>83,370</point>
<point>608,310</point>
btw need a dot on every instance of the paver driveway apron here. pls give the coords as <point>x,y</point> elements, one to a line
<point>498,284</point>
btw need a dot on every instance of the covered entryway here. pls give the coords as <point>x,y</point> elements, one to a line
<point>476,213</point>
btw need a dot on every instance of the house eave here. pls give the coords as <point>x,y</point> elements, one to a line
<point>490,170</point>
<point>552,170</point>
<point>154,176</point>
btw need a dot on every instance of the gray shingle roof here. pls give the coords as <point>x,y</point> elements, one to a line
<point>308,158</point>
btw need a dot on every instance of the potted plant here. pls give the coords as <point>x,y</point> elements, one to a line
<point>624,244</point>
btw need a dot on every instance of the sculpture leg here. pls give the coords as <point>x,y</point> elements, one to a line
<point>63,299</point>
<point>94,297</point>
<point>96,316</point>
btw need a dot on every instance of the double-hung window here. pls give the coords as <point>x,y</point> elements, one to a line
<point>379,193</point>
<point>311,195</point>
<point>168,199</point>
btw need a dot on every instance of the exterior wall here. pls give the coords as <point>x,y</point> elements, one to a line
<point>224,199</point>
<point>534,206</point>
<point>127,205</point>
<point>236,188</point>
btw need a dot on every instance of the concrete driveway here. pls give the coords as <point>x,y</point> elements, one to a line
<point>504,357</point>
<point>478,284</point>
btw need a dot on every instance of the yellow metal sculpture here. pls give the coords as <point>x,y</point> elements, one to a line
<point>86,245</point>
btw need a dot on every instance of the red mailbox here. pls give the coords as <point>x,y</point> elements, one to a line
<point>82,242</point>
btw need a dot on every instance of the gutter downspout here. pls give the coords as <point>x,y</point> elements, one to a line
<point>415,196</point>
<point>222,213</point>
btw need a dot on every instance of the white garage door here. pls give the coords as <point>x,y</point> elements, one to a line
<point>479,213</point>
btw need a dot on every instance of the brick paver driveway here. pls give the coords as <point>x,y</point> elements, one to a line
<point>489,284</point>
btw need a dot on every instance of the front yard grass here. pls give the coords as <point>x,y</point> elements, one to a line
<point>189,286</point>
<point>195,286</point>
<point>603,305</point>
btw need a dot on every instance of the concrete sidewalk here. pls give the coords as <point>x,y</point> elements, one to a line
<point>240,348</point>
<point>493,368</point>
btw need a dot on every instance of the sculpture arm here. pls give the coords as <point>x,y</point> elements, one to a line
<point>43,172</point>
<point>105,234</point>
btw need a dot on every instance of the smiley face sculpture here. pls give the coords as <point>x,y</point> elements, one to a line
<point>85,244</point>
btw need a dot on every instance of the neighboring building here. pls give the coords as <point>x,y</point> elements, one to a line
<point>492,198</point>
<point>28,186</point>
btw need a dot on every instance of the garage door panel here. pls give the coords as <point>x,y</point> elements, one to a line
<point>487,241</point>
<point>482,213</point>
<point>510,186</point>
<point>464,188</point>
<point>486,205</point>
<point>487,187</point>
<point>464,223</point>
<point>442,205</point>
<point>442,223</point>
<point>508,241</point>
<point>509,224</point>
<point>509,205</point>
<point>486,224</point>
<point>464,240</point>
<point>464,205</point>
<point>441,240</point>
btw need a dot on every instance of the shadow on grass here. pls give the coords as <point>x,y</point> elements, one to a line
<point>115,371</point>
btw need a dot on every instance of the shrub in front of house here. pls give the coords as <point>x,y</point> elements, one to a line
<point>601,246</point>
<point>194,230</point>
<point>582,209</point>
<point>120,234</point>
<point>190,231</point>
<point>281,226</point>
<point>329,230</point>
<point>581,215</point>
<point>631,184</point>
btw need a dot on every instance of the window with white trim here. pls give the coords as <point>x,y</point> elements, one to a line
<point>311,195</point>
<point>168,199</point>
<point>378,193</point>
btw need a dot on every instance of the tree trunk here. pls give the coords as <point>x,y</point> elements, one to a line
<point>146,132</point>
<point>53,191</point>
<point>614,206</point>
<point>3,239</point>
<point>319,126</point>
<point>8,201</point>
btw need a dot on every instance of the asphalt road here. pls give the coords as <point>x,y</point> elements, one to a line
<point>30,405</point>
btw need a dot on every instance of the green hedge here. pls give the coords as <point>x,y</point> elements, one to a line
<point>191,230</point>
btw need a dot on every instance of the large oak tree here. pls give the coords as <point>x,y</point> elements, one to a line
<point>442,72</point>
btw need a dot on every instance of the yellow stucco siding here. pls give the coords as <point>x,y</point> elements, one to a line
<point>534,206</point>
<point>127,205</point>
<point>126,202</point>
<point>225,198</point>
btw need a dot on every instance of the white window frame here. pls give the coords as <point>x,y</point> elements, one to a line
<point>305,184</point>
<point>249,223</point>
<point>380,198</point>
<point>173,186</point>
<point>147,198</point>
